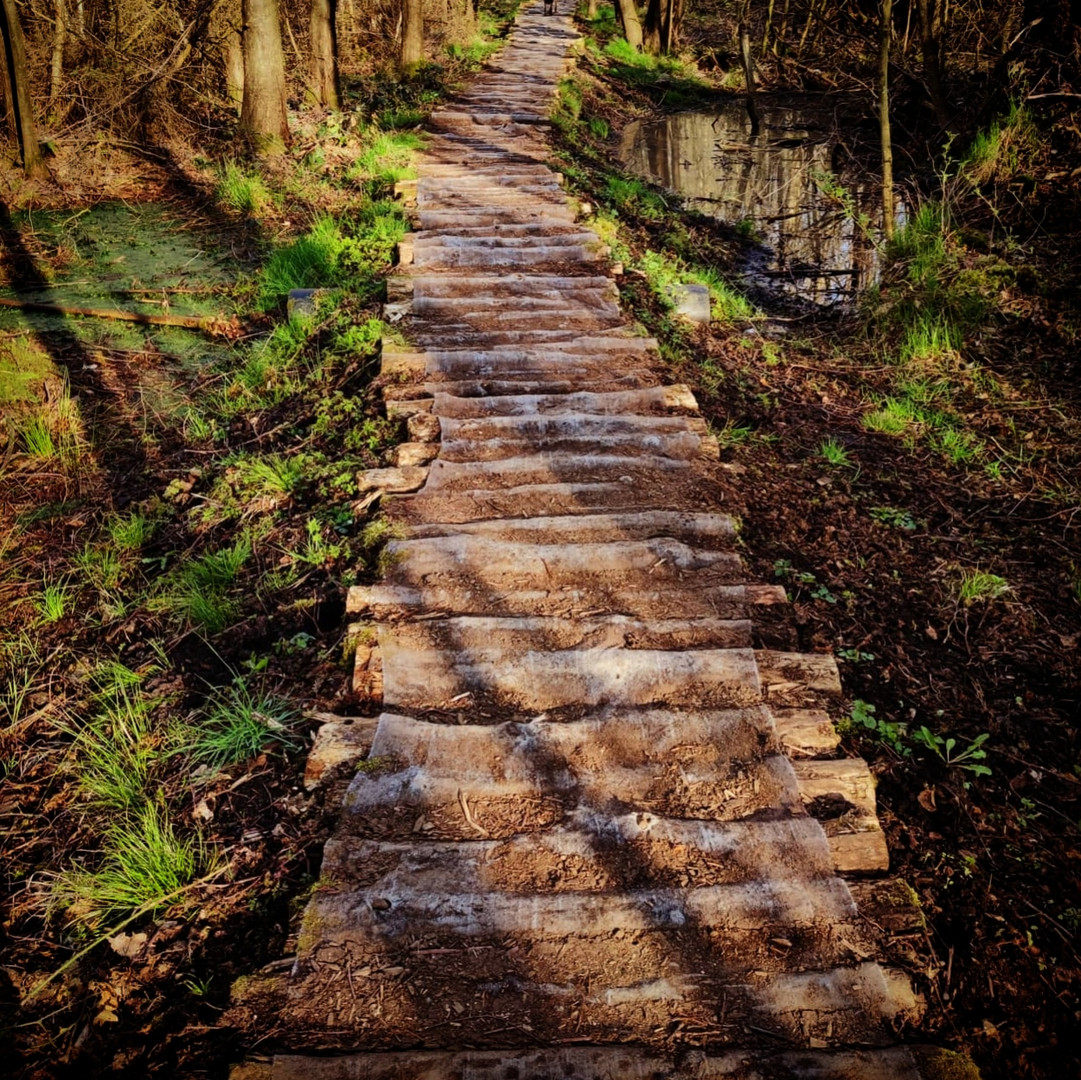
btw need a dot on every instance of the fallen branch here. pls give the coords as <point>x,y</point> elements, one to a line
<point>212,324</point>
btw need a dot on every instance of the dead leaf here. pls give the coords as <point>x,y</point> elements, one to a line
<point>128,945</point>
<point>926,799</point>
<point>106,1016</point>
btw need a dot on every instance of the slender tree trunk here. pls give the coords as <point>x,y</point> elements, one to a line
<point>324,37</point>
<point>768,28</point>
<point>651,28</point>
<point>234,69</point>
<point>56,67</point>
<point>932,63</point>
<point>412,34</point>
<point>263,115</point>
<point>591,9</point>
<point>632,24</point>
<point>673,16</point>
<point>782,34</point>
<point>748,74</point>
<point>885,28</point>
<point>19,90</point>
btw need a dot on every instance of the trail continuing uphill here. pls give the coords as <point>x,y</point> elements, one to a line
<point>601,831</point>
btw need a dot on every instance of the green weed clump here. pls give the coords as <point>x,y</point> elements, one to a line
<point>144,866</point>
<point>1003,150</point>
<point>309,262</point>
<point>52,604</point>
<point>242,191</point>
<point>388,154</point>
<point>833,452</point>
<point>236,724</point>
<point>200,591</point>
<point>981,587</point>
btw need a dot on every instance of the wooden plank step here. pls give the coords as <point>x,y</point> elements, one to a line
<point>701,528</point>
<point>488,637</point>
<point>605,1063</point>
<point>539,679</point>
<point>636,402</point>
<point>587,854</point>
<point>679,599</point>
<point>515,564</point>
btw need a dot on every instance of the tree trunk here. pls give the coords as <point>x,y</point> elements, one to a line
<point>56,68</point>
<point>932,64</point>
<point>19,90</point>
<point>768,27</point>
<point>651,28</point>
<point>263,116</point>
<point>591,9</point>
<point>748,74</point>
<point>632,25</point>
<point>325,54</point>
<point>234,69</point>
<point>412,35</point>
<point>885,28</point>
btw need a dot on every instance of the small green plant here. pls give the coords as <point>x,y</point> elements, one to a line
<point>236,724</point>
<point>733,434</point>
<point>855,656</point>
<point>954,755</point>
<point>275,474</point>
<point>959,447</point>
<point>317,550</point>
<point>309,262</point>
<point>998,153</point>
<point>219,569</point>
<point>130,532</point>
<point>895,517</point>
<point>117,749</point>
<point>980,587</point>
<point>145,864</point>
<point>892,735</point>
<point>38,439</point>
<point>52,604</point>
<point>242,191</point>
<point>199,590</point>
<point>833,452</point>
<point>598,127</point>
<point>892,417</point>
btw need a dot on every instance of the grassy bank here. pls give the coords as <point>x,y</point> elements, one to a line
<point>909,472</point>
<point>179,518</point>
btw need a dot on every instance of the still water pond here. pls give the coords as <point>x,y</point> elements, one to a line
<point>776,180</point>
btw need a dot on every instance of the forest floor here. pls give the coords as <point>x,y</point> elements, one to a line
<point>164,571</point>
<point>922,506</point>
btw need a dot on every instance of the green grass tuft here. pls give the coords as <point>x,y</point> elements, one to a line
<point>237,724</point>
<point>980,587</point>
<point>144,864</point>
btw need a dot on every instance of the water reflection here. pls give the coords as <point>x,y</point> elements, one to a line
<point>813,248</point>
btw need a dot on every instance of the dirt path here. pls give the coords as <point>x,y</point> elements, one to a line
<point>600,829</point>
